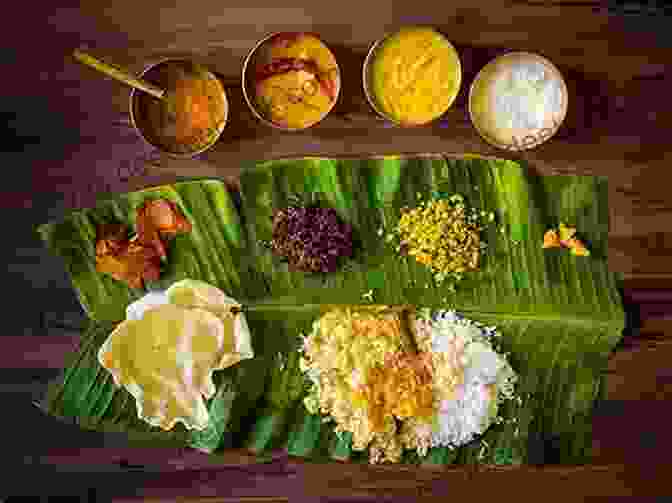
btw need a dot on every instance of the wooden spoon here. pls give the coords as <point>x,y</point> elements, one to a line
<point>168,97</point>
<point>119,74</point>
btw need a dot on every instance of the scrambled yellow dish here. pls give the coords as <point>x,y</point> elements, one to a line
<point>415,75</point>
<point>365,373</point>
<point>165,356</point>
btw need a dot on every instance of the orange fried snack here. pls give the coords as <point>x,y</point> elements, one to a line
<point>125,260</point>
<point>139,259</point>
<point>159,218</point>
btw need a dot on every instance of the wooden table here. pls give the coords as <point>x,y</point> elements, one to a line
<point>618,125</point>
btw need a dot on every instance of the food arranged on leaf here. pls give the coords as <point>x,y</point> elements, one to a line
<point>157,219</point>
<point>565,237</point>
<point>390,396</point>
<point>311,239</point>
<point>125,259</point>
<point>393,382</point>
<point>415,75</point>
<point>442,235</point>
<point>138,259</point>
<point>166,350</point>
<point>296,81</point>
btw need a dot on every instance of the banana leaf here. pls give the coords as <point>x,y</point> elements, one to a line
<point>559,315</point>
<point>516,276</point>
<point>258,404</point>
<point>559,363</point>
<point>209,252</point>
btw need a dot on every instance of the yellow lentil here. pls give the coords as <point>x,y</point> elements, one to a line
<point>438,234</point>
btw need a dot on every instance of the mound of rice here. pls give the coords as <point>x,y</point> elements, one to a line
<point>487,378</point>
<point>468,379</point>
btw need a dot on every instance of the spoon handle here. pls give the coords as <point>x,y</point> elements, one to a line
<point>118,74</point>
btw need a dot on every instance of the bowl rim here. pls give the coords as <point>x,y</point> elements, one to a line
<point>512,147</point>
<point>248,99</point>
<point>180,155</point>
<point>369,59</point>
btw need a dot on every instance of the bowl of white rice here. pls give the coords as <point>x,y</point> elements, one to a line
<point>518,101</point>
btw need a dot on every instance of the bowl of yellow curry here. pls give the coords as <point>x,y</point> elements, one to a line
<point>291,80</point>
<point>192,119</point>
<point>411,77</point>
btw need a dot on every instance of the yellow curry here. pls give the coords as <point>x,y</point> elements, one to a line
<point>414,75</point>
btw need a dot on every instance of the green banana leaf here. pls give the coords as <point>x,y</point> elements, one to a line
<point>86,394</point>
<point>559,315</point>
<point>258,403</point>
<point>517,275</point>
<point>559,363</point>
<point>209,252</point>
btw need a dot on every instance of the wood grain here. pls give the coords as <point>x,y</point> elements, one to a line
<point>380,483</point>
<point>614,127</point>
<point>618,123</point>
<point>37,352</point>
<point>617,78</point>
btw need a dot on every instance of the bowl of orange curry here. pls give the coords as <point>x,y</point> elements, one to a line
<point>291,80</point>
<point>193,120</point>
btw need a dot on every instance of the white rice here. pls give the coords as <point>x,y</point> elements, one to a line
<point>473,410</point>
<point>525,95</point>
<point>462,419</point>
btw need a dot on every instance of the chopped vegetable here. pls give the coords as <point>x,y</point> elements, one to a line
<point>440,235</point>
<point>312,239</point>
<point>565,237</point>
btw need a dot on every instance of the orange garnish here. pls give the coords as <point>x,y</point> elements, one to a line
<point>577,248</point>
<point>565,238</point>
<point>551,239</point>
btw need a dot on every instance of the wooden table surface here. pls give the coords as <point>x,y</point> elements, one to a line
<point>618,74</point>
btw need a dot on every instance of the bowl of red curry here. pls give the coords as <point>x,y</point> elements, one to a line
<point>291,80</point>
<point>193,120</point>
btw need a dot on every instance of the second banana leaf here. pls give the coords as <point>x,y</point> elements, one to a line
<point>258,405</point>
